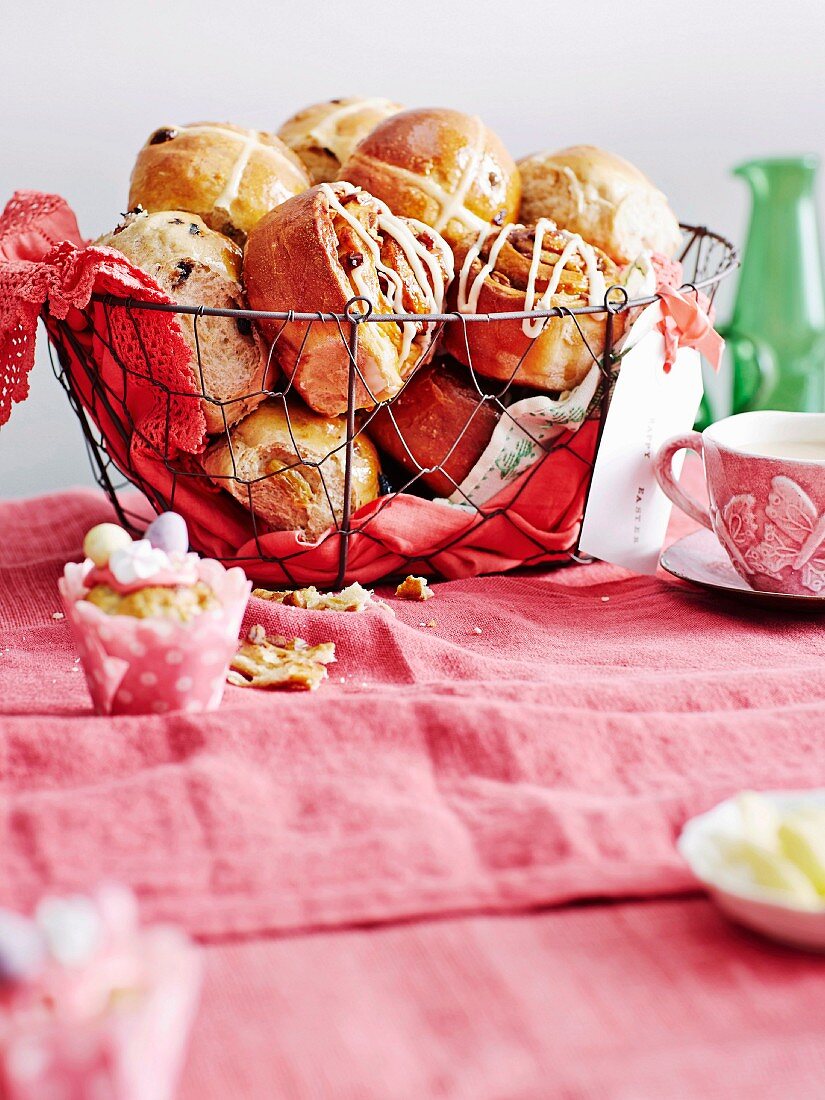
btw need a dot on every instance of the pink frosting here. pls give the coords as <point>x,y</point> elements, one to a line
<point>164,578</point>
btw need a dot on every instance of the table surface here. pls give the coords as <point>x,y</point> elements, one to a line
<point>543,939</point>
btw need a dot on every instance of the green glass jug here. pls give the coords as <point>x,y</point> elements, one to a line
<point>776,335</point>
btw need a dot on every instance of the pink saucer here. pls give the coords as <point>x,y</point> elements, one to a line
<point>699,559</point>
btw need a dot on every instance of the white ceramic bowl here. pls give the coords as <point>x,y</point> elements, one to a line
<point>755,907</point>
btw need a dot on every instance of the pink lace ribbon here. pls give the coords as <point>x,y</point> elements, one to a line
<point>45,263</point>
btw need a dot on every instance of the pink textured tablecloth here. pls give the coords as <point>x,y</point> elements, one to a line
<point>654,1000</point>
<point>550,757</point>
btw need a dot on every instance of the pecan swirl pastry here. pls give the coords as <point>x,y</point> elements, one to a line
<point>319,250</point>
<point>519,268</point>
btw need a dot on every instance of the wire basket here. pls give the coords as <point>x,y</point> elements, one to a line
<point>102,402</point>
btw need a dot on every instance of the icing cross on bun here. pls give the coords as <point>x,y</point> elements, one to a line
<point>441,166</point>
<point>603,197</point>
<point>325,134</point>
<point>319,250</point>
<point>288,465</point>
<point>228,175</point>
<point>519,268</point>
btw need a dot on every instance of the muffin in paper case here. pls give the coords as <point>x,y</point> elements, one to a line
<point>156,665</point>
<point>93,1004</point>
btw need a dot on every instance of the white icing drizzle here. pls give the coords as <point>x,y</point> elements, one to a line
<point>423,263</point>
<point>249,142</point>
<point>326,132</point>
<point>595,279</point>
<point>468,300</point>
<point>468,303</point>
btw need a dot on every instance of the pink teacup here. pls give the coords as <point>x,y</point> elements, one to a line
<point>765,474</point>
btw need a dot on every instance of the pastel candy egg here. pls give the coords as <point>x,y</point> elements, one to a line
<point>71,928</point>
<point>22,952</point>
<point>102,541</point>
<point>168,532</point>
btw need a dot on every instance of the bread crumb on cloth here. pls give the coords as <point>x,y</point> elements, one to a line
<point>352,598</point>
<point>414,588</point>
<point>289,664</point>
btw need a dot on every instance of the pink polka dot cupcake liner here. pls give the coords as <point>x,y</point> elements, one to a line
<point>113,1022</point>
<point>156,666</point>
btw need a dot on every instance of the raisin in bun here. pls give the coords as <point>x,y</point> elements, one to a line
<point>319,250</point>
<point>601,196</point>
<point>290,471</point>
<point>519,268</point>
<point>441,166</point>
<point>196,266</point>
<point>440,419</point>
<point>325,134</point>
<point>229,176</point>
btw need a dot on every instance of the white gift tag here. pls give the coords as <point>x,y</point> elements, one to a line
<point>627,513</point>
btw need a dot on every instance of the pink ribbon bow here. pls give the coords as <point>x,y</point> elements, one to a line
<point>687,317</point>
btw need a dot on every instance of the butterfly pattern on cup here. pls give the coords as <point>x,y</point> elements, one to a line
<point>737,528</point>
<point>792,537</point>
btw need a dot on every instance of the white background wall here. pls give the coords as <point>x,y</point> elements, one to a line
<point>683,89</point>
